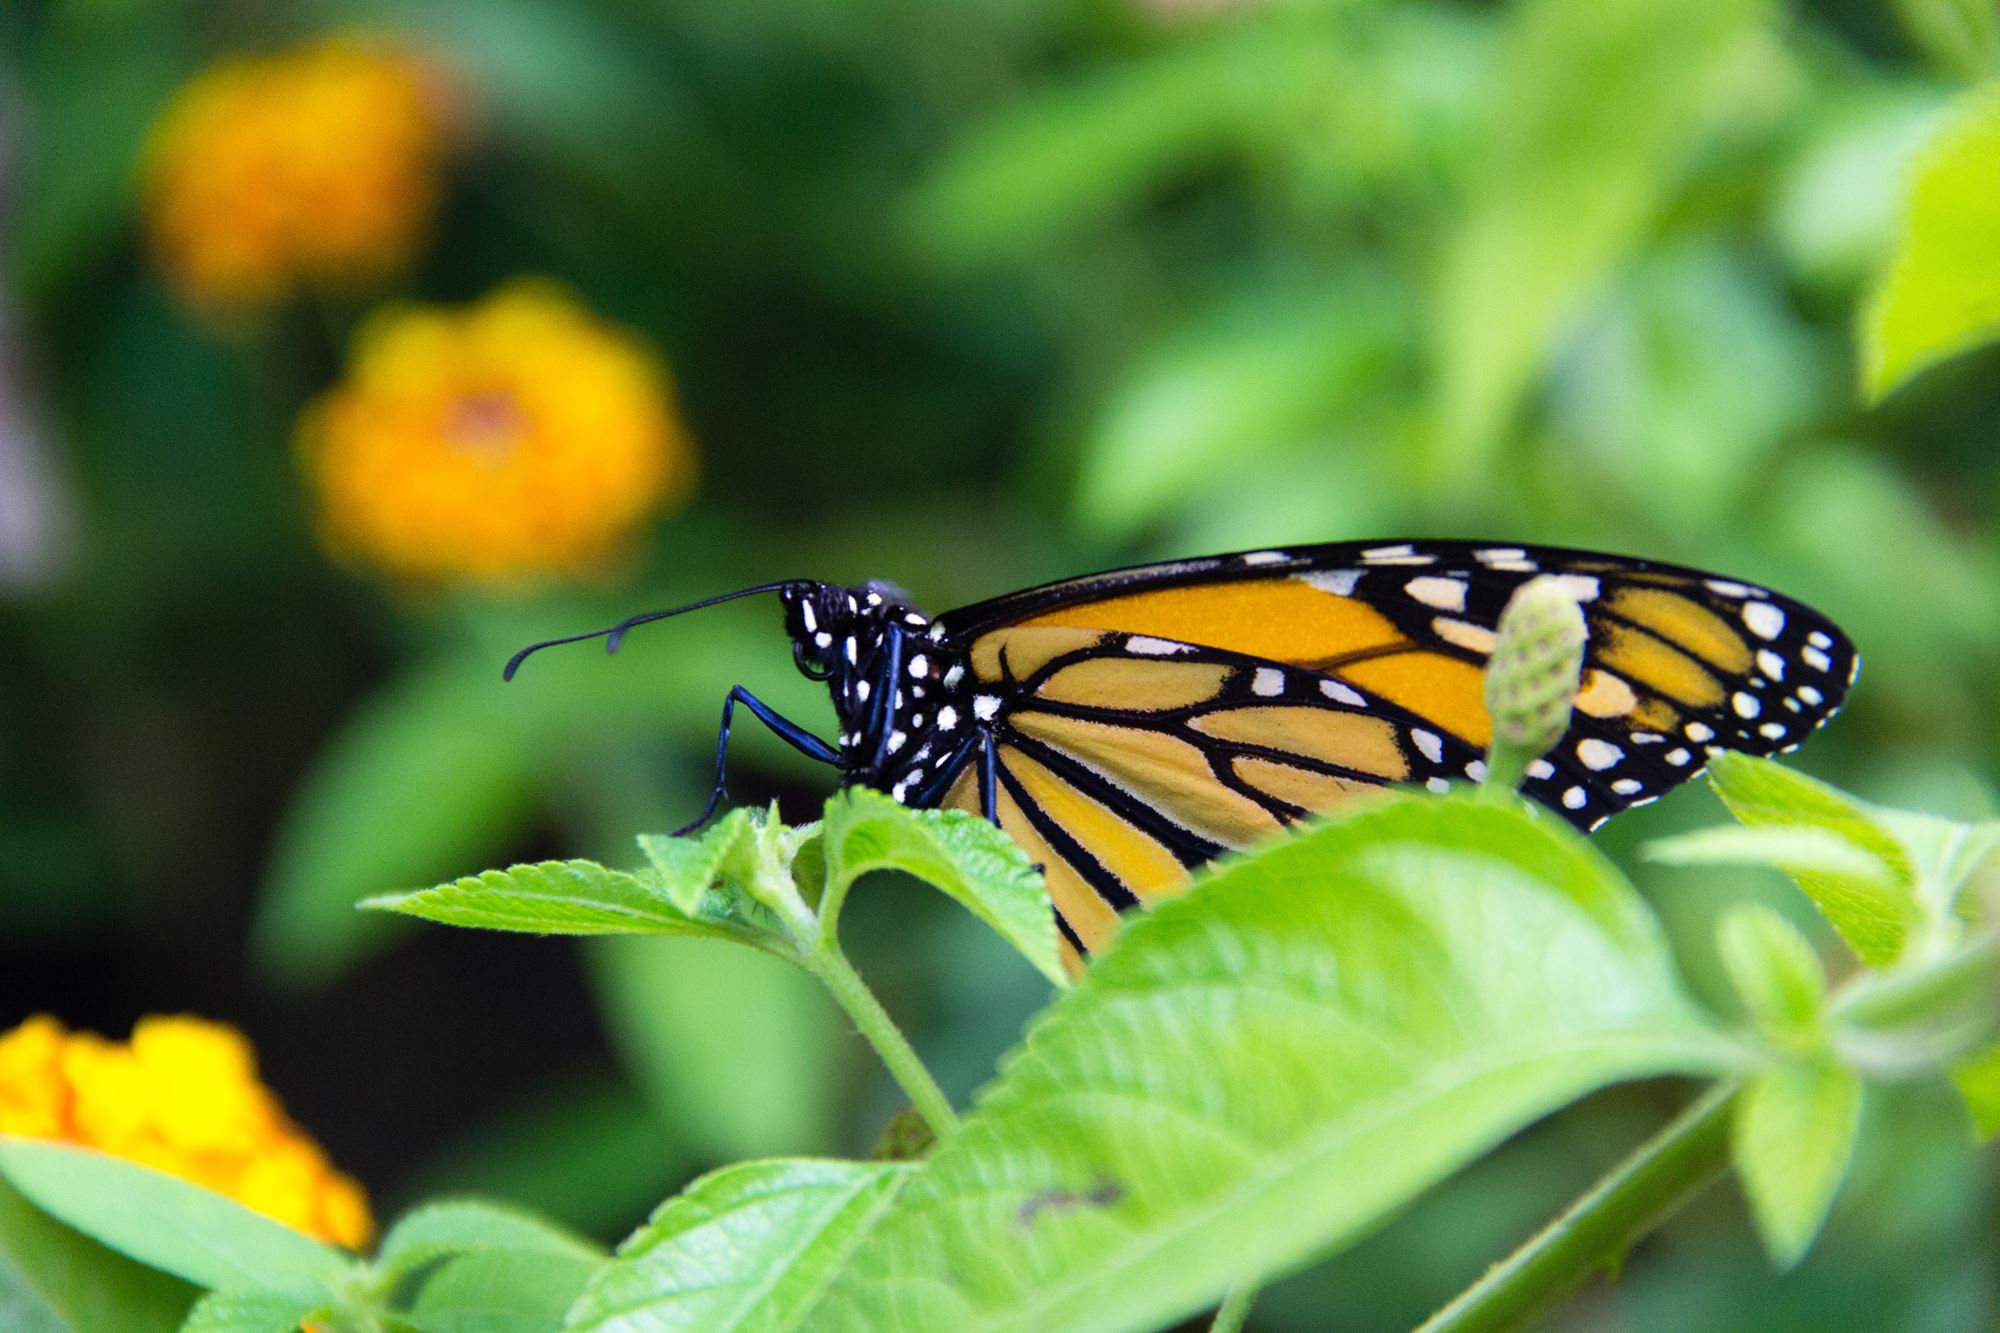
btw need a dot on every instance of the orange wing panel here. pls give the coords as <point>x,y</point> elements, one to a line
<point>1284,619</point>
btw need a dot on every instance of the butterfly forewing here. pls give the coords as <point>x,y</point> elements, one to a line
<point>1147,719</point>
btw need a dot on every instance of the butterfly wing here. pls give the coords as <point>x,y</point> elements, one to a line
<point>1150,718</point>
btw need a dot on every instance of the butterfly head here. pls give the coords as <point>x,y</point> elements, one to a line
<point>887,674</point>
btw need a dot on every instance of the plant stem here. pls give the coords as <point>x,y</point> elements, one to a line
<point>1235,1309</point>
<point>853,995</point>
<point>1594,1232</point>
<point>820,954</point>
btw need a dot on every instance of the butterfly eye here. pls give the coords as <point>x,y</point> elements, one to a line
<point>807,668</point>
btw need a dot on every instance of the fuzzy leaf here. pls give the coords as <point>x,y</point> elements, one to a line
<point>171,1225</point>
<point>1263,1069</point>
<point>500,1291</point>
<point>1874,912</point>
<point>747,1249</point>
<point>473,1226</point>
<point>53,1280</point>
<point>1773,969</point>
<point>554,898</point>
<point>1792,1139</point>
<point>245,1312</point>
<point>1941,293</point>
<point>1978,1080</point>
<point>691,868</point>
<point>959,854</point>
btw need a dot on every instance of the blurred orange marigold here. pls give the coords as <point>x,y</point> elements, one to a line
<point>269,173</point>
<point>517,436</point>
<point>182,1097</point>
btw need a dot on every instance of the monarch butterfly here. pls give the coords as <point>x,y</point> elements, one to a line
<point>1126,727</point>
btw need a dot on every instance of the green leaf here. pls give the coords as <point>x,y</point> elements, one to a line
<point>245,1312</point>
<point>692,868</point>
<point>747,1249</point>
<point>1874,912</point>
<point>1978,1080</point>
<point>557,898</point>
<point>466,1226</point>
<point>1773,969</point>
<point>501,1291</point>
<point>1803,848</point>
<point>425,778</point>
<point>1792,1138</point>
<point>171,1225</point>
<point>1260,1071</point>
<point>956,852</point>
<point>1941,293</point>
<point>1590,156</point>
<point>53,1280</point>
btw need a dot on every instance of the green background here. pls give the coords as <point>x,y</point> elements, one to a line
<point>964,296</point>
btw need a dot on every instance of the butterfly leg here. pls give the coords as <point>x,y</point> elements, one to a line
<point>788,731</point>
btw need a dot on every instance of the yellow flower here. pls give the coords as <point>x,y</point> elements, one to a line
<point>271,173</point>
<point>514,437</point>
<point>182,1097</point>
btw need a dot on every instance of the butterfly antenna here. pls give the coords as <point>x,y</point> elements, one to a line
<point>614,635</point>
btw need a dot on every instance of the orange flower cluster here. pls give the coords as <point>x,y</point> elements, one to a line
<point>515,437</point>
<point>270,173</point>
<point>182,1097</point>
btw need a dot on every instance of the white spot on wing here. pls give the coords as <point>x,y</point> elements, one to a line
<point>1541,768</point>
<point>1340,693</point>
<point>1728,589</point>
<point>1816,659</point>
<point>1628,786</point>
<point>1770,664</point>
<point>1745,704</point>
<point>1811,695</point>
<point>1820,639</point>
<point>1574,798</point>
<point>985,706</point>
<point>955,675</point>
<point>1465,634</point>
<point>1476,770</point>
<point>1438,785</point>
<point>1699,731</point>
<point>1678,757</point>
<point>1264,558</point>
<point>1268,681</point>
<point>1427,742</point>
<point>1598,754</point>
<point>1445,594</point>
<point>1765,620</point>
<point>1147,646</point>
<point>1339,582</point>
<point>1774,731</point>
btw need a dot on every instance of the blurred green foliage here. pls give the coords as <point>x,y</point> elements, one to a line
<point>963,296</point>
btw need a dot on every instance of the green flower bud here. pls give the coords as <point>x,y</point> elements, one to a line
<point>1532,678</point>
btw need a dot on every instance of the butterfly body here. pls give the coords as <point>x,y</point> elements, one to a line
<point>1126,727</point>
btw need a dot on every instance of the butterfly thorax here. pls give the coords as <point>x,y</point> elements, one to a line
<point>904,725</point>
